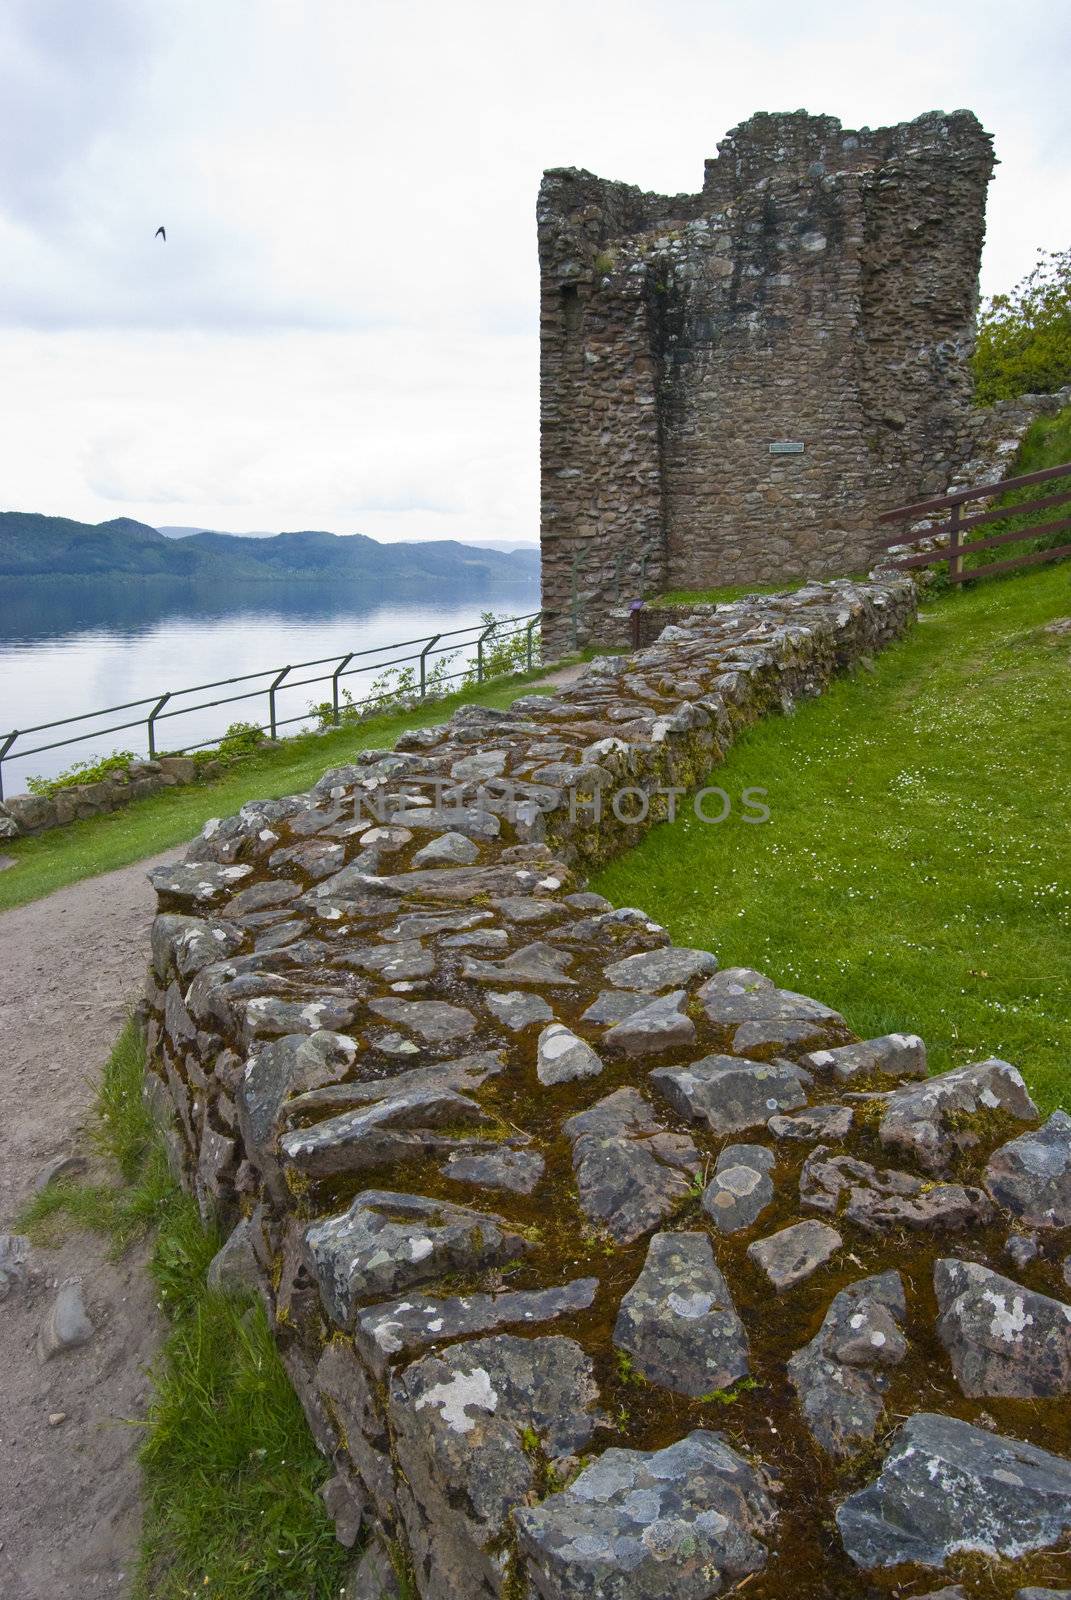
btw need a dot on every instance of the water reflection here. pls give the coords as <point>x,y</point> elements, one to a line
<point>74,645</point>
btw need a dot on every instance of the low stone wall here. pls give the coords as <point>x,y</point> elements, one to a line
<point>586,1258</point>
<point>34,813</point>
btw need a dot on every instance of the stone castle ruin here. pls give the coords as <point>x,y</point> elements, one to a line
<point>735,383</point>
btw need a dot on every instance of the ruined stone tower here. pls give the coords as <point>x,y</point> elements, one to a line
<point>735,382</point>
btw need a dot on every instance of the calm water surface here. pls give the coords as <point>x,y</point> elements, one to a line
<point>69,646</point>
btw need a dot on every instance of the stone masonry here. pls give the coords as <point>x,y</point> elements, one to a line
<point>819,291</point>
<point>602,1270</point>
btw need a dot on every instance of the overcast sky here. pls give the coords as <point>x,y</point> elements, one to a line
<point>341,329</point>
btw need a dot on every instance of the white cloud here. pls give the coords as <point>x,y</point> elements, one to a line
<point>341,328</point>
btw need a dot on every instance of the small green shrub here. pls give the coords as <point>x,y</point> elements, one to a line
<point>240,739</point>
<point>81,772</point>
<point>1024,337</point>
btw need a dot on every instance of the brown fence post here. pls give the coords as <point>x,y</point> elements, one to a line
<point>955,556</point>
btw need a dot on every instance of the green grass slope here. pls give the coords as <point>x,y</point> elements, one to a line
<point>914,869</point>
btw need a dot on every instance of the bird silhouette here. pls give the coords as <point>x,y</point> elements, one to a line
<point>161,233</point>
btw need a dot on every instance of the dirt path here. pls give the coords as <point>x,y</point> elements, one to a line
<point>70,965</point>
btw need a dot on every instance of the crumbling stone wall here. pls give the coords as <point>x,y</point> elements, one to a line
<point>819,291</point>
<point>586,1257</point>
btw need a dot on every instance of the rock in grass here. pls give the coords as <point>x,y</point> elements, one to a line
<point>562,1056</point>
<point>1031,1176</point>
<point>518,1010</point>
<point>688,1522</point>
<point>389,1242</point>
<point>383,1332</point>
<point>67,1325</point>
<point>678,1321</point>
<point>893,1055</point>
<point>631,1171</point>
<point>64,1166</point>
<point>451,847</point>
<point>1001,1338</point>
<point>931,1123</point>
<point>517,1171</point>
<point>731,1095</point>
<point>14,1254</point>
<point>658,1026</point>
<point>841,1376</point>
<point>233,1269</point>
<point>998,1496</point>
<point>655,970</point>
<point>795,1253</point>
<point>741,1187</point>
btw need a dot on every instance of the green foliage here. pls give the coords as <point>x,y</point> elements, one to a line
<point>626,1368</point>
<point>231,1474</point>
<point>240,739</point>
<point>82,772</point>
<point>914,870</point>
<point>1024,337</point>
<point>230,1471</point>
<point>398,688</point>
<point>504,653</point>
<point>729,1397</point>
<point>1047,443</point>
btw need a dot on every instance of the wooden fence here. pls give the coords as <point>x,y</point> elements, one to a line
<point>957,526</point>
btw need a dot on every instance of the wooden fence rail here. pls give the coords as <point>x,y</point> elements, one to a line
<point>957,526</point>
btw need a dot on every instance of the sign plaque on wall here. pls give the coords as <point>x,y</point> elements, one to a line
<point>787,447</point>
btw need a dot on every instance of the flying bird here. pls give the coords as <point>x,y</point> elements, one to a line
<point>161,233</point>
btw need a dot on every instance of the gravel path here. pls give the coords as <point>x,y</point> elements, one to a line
<point>70,966</point>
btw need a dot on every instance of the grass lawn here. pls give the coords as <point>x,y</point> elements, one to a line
<point>916,869</point>
<point>48,861</point>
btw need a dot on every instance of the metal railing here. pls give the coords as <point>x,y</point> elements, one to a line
<point>162,707</point>
<point>954,551</point>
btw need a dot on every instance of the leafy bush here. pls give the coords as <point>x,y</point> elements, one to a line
<point>82,772</point>
<point>240,739</point>
<point>506,654</point>
<point>1024,337</point>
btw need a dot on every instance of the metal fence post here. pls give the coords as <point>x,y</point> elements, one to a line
<point>528,641</point>
<point>276,681</point>
<point>4,748</point>
<point>424,663</point>
<point>486,634</point>
<point>150,722</point>
<point>343,664</point>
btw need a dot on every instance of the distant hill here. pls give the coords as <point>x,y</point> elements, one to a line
<point>178,531</point>
<point>174,530</point>
<point>39,546</point>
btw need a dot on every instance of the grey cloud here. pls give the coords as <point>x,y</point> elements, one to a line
<point>68,70</point>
